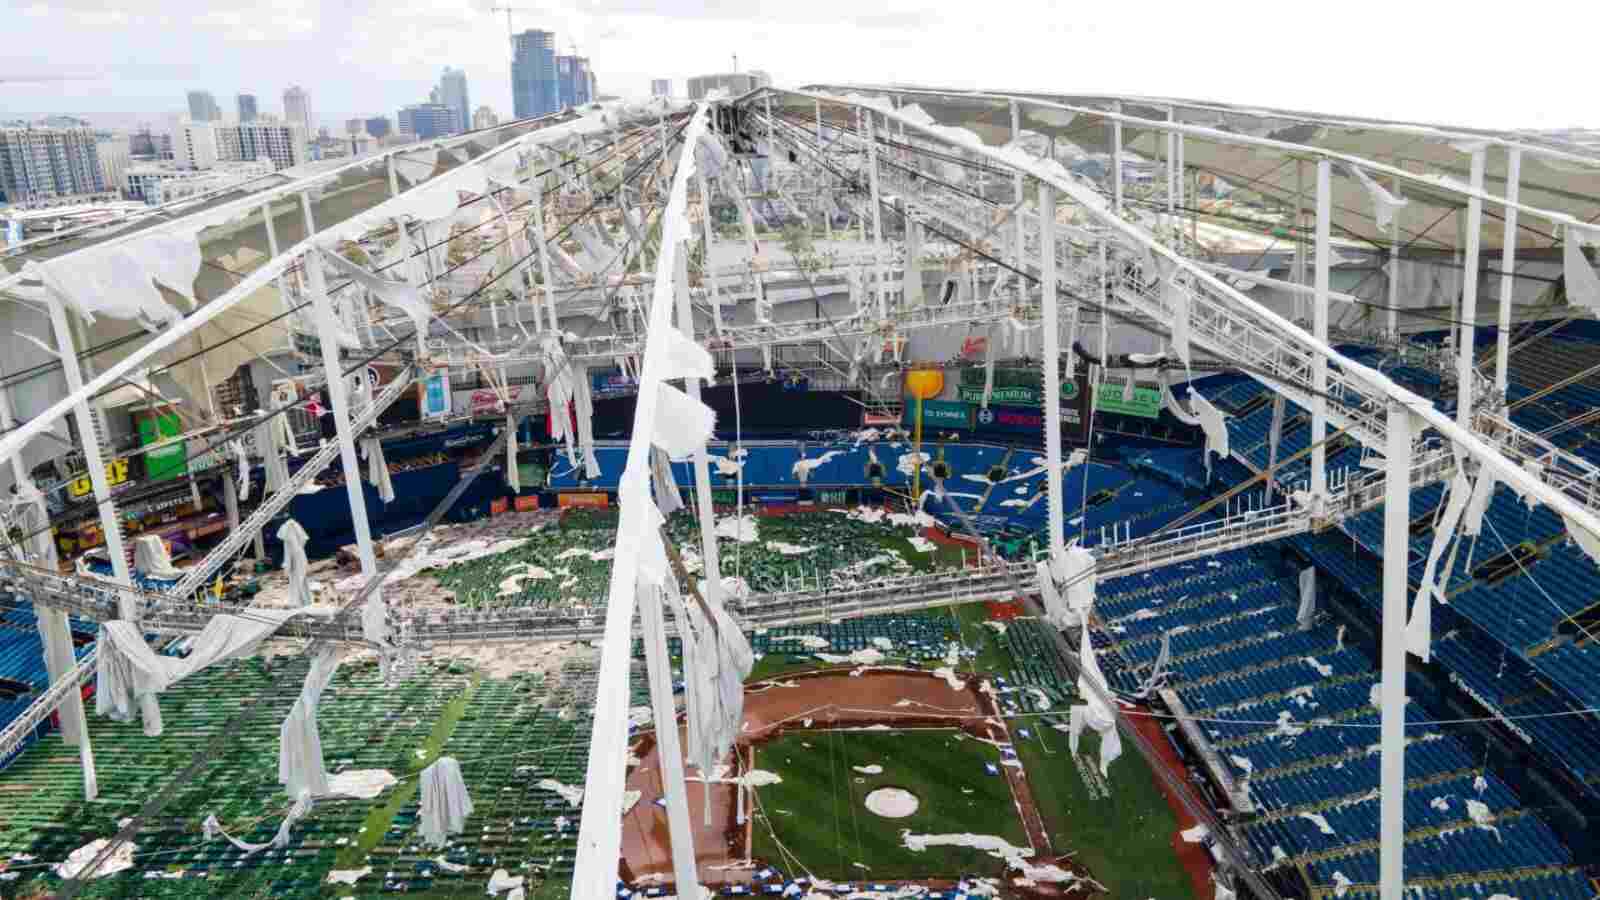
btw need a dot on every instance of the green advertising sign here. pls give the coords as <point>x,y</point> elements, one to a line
<point>168,462</point>
<point>833,498</point>
<point>1145,402</point>
<point>939,414</point>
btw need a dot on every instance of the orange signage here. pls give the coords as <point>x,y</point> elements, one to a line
<point>524,504</point>
<point>566,500</point>
<point>498,506</point>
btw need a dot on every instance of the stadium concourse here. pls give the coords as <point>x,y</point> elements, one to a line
<point>654,499</point>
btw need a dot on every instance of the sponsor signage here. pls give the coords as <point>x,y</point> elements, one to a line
<point>725,498</point>
<point>833,498</point>
<point>436,396</point>
<point>571,499</point>
<point>1012,377</point>
<point>1144,402</point>
<point>499,505</point>
<point>1009,396</point>
<point>530,502</point>
<point>116,473</point>
<point>164,463</point>
<point>939,414</point>
<point>772,496</point>
<point>613,383</point>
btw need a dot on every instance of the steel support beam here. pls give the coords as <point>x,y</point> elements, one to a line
<point>1392,693</point>
<point>1466,349</point>
<point>1051,306</point>
<point>1508,269</point>
<point>1319,325</point>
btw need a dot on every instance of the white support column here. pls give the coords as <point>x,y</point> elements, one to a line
<point>1394,264</point>
<point>1177,169</point>
<point>1392,693</point>
<point>1299,231</point>
<point>819,123</point>
<point>327,333</point>
<point>658,670</point>
<point>90,420</point>
<point>1508,268</point>
<point>272,248</point>
<point>1116,159</point>
<point>1319,324</point>
<point>53,625</point>
<point>1465,350</point>
<point>1052,364</point>
<point>877,217</point>
<point>1172,156</point>
<point>544,252</point>
<point>1017,186</point>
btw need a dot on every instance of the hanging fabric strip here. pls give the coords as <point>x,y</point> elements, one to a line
<point>668,496</point>
<point>445,802</point>
<point>377,468</point>
<point>300,764</point>
<point>513,472</point>
<point>1308,598</point>
<point>294,562</point>
<point>1097,714</point>
<point>1171,404</point>
<point>1215,427</point>
<point>583,407</point>
<point>243,458</point>
<point>1419,628</point>
<point>1583,285</point>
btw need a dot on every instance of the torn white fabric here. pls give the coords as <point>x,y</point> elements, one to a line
<point>212,829</point>
<point>270,438</point>
<point>502,880</point>
<point>716,660</point>
<point>1419,627</point>
<point>1586,540</point>
<point>1214,425</point>
<point>445,802</point>
<point>151,556</point>
<point>1171,404</point>
<point>1384,204</point>
<point>243,458</point>
<point>513,472</point>
<point>118,279</point>
<point>377,468</point>
<point>1583,285</point>
<point>294,540</point>
<point>1478,503</point>
<point>407,298</point>
<point>300,765</point>
<point>348,876</point>
<point>1163,658</point>
<point>121,859</point>
<point>1078,573</point>
<point>1097,715</point>
<point>127,669</point>
<point>668,496</point>
<point>682,423</point>
<point>1308,598</point>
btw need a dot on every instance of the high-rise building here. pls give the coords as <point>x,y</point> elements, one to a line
<point>149,144</point>
<point>452,92</point>
<point>203,107</point>
<point>355,126</point>
<point>379,127</point>
<point>484,118</point>
<point>297,108</point>
<point>247,108</point>
<point>41,165</point>
<point>735,83</point>
<point>194,145</point>
<point>282,143</point>
<point>533,74</point>
<point>572,81</point>
<point>427,120</point>
<point>113,153</point>
<point>661,87</point>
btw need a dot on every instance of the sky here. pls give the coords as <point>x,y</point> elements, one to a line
<point>1419,60</point>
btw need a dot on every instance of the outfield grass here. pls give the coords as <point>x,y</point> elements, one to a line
<point>1124,840</point>
<point>819,815</point>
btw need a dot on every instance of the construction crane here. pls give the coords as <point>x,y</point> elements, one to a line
<point>511,34</point>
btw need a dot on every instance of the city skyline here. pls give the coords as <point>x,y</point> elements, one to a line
<point>366,58</point>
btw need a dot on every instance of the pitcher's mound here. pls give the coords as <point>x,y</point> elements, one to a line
<point>892,802</point>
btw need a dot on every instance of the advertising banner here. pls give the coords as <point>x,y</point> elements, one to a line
<point>436,396</point>
<point>170,461</point>
<point>604,383</point>
<point>1145,402</point>
<point>527,503</point>
<point>938,414</point>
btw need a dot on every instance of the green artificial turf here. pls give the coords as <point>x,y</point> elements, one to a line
<point>1124,839</point>
<point>818,814</point>
<point>991,658</point>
